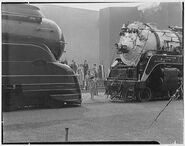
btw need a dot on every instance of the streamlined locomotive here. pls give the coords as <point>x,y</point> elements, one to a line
<point>150,63</point>
<point>31,73</point>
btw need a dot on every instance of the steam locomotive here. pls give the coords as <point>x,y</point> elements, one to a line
<point>150,63</point>
<point>31,73</point>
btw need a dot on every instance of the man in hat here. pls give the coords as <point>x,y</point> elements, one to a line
<point>92,86</point>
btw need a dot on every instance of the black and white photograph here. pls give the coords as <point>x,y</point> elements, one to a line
<point>92,72</point>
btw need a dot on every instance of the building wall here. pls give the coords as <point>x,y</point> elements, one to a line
<point>81,31</point>
<point>167,14</point>
<point>104,33</point>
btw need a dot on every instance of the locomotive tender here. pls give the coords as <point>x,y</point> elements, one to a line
<point>150,65</point>
<point>31,72</point>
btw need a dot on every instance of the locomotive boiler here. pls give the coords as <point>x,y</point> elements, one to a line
<point>31,72</point>
<point>150,63</point>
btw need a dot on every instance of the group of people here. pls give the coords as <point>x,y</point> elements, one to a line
<point>87,77</point>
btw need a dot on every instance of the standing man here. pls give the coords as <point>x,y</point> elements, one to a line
<point>100,72</point>
<point>73,66</point>
<point>92,86</point>
<point>86,68</point>
<point>95,70</point>
<point>80,74</point>
<point>96,78</point>
<point>65,61</point>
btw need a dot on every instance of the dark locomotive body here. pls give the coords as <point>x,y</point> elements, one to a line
<point>156,75</point>
<point>31,72</point>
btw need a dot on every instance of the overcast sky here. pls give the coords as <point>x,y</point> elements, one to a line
<point>97,6</point>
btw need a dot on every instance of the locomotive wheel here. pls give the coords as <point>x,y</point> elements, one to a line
<point>124,96</point>
<point>145,95</point>
<point>129,95</point>
<point>113,95</point>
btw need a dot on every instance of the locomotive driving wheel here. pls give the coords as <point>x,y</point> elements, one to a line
<point>144,94</point>
<point>130,94</point>
<point>114,95</point>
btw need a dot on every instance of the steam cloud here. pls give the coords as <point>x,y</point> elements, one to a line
<point>152,6</point>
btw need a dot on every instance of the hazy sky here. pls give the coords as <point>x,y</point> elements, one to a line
<point>97,6</point>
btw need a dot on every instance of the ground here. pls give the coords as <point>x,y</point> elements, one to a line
<point>97,120</point>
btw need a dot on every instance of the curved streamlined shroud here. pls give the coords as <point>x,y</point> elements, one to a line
<point>31,74</point>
